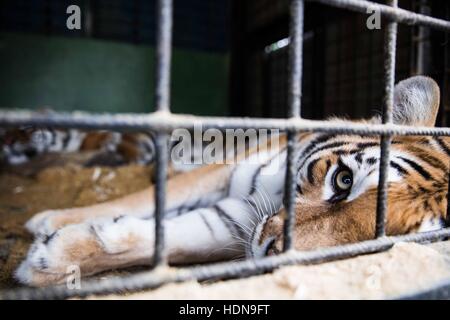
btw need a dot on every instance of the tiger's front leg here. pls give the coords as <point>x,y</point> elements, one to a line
<point>210,185</point>
<point>202,235</point>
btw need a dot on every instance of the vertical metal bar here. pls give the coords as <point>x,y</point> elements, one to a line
<point>295,100</point>
<point>383,186</point>
<point>162,103</point>
<point>388,105</point>
<point>423,42</point>
<point>447,217</point>
<point>289,195</point>
<point>163,54</point>
<point>296,58</point>
<point>159,257</point>
<point>390,43</point>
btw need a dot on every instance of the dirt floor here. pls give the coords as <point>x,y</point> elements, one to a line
<point>25,191</point>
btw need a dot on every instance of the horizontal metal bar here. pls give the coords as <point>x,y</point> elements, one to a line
<point>161,121</point>
<point>394,14</point>
<point>438,292</point>
<point>225,270</point>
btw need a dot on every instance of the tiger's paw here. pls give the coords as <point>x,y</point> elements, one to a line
<point>101,244</point>
<point>49,221</point>
<point>42,223</point>
<point>53,257</point>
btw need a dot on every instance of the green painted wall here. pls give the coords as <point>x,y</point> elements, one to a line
<point>83,74</point>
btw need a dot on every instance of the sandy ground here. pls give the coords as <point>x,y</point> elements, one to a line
<point>23,192</point>
<point>404,269</point>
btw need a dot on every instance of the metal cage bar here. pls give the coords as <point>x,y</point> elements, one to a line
<point>163,54</point>
<point>388,106</point>
<point>151,280</point>
<point>163,122</point>
<point>296,58</point>
<point>295,102</point>
<point>159,257</point>
<point>392,14</point>
<point>162,104</point>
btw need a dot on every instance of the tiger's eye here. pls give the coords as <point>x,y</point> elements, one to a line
<point>344,180</point>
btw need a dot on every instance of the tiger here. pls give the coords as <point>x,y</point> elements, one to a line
<point>22,145</point>
<point>236,210</point>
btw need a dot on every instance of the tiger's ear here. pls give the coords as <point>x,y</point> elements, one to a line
<point>416,102</point>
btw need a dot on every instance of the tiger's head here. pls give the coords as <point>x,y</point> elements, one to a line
<point>338,175</point>
<point>18,145</point>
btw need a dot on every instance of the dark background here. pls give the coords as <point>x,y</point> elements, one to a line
<point>225,60</point>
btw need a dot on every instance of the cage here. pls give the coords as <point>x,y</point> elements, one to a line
<point>273,50</point>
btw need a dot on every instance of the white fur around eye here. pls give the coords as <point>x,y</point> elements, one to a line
<point>328,190</point>
<point>362,180</point>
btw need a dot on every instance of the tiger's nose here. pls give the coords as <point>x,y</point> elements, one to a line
<point>275,247</point>
<point>30,152</point>
<point>274,229</point>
